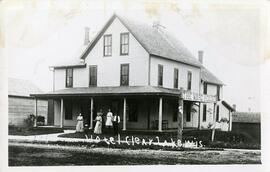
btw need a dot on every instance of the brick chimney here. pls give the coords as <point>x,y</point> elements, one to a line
<point>86,36</point>
<point>200,56</point>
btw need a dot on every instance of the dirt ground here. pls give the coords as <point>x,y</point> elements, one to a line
<point>22,154</point>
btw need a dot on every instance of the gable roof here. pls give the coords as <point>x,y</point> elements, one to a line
<point>246,117</point>
<point>209,77</point>
<point>157,43</point>
<point>23,88</point>
<point>229,107</point>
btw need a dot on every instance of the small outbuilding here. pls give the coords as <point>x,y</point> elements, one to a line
<point>248,123</point>
<point>21,105</point>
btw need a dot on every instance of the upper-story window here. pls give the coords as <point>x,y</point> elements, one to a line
<point>160,75</point>
<point>93,75</point>
<point>189,80</point>
<point>107,45</point>
<point>124,79</point>
<point>124,43</point>
<point>204,88</point>
<point>175,78</point>
<point>69,77</point>
<point>218,92</point>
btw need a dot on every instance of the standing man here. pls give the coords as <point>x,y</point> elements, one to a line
<point>116,121</point>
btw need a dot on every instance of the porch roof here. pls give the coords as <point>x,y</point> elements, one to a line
<point>111,91</point>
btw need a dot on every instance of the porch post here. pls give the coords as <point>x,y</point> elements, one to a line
<point>199,116</point>
<point>180,119</point>
<point>62,113</point>
<point>35,121</point>
<point>160,115</point>
<point>214,123</point>
<point>124,114</point>
<point>91,113</point>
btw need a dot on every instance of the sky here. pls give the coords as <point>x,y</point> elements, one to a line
<point>39,34</point>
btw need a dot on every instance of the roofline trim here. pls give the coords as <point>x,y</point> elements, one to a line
<point>227,105</point>
<point>175,61</point>
<point>220,84</point>
<point>104,94</point>
<point>69,66</point>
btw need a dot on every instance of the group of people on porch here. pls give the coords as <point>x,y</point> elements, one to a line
<point>110,121</point>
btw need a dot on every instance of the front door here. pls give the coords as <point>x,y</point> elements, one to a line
<point>85,110</point>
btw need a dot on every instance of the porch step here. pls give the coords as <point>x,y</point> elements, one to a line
<point>69,131</point>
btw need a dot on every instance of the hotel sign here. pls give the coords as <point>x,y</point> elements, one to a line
<point>190,96</point>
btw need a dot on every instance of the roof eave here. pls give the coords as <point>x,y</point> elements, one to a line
<point>213,83</point>
<point>197,66</point>
<point>69,66</point>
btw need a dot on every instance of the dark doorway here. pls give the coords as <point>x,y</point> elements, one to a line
<point>85,110</point>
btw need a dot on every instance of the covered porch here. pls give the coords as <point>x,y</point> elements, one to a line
<point>144,108</point>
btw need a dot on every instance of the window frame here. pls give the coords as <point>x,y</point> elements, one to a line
<point>189,80</point>
<point>92,84</point>
<point>160,77</point>
<point>69,84</point>
<point>204,112</point>
<point>217,113</point>
<point>205,87</point>
<point>175,78</point>
<point>123,44</point>
<point>106,46</point>
<point>188,113</point>
<point>218,92</point>
<point>121,76</point>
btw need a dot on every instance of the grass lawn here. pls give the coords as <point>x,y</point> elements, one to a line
<point>222,139</point>
<point>44,155</point>
<point>32,131</point>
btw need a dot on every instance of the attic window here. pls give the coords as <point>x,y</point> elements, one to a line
<point>124,43</point>
<point>107,45</point>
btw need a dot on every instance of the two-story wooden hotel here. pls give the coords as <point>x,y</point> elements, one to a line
<point>138,71</point>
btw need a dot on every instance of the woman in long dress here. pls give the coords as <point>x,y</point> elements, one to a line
<point>109,123</point>
<point>79,126</point>
<point>98,126</point>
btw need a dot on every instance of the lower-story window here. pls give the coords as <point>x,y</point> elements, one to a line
<point>204,112</point>
<point>217,114</point>
<point>187,109</point>
<point>68,109</point>
<point>132,114</point>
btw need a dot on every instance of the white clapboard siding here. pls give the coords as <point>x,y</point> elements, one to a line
<point>20,108</point>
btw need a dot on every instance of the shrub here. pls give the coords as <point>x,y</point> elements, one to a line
<point>224,120</point>
<point>40,120</point>
<point>29,121</point>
